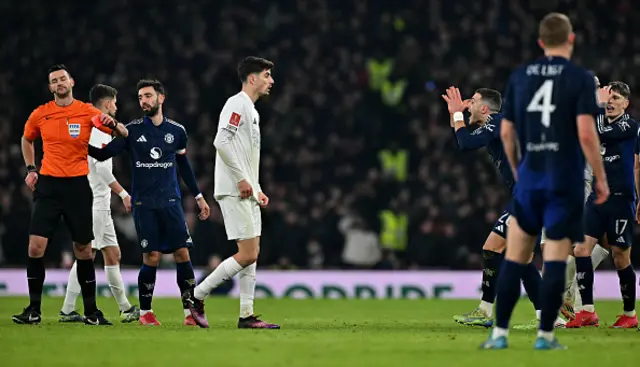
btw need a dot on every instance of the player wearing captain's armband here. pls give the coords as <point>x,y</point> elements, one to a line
<point>156,145</point>
<point>548,109</point>
<point>238,191</point>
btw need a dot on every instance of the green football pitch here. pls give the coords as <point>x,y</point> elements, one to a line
<point>314,333</point>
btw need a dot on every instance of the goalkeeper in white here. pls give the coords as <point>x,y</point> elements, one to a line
<point>238,192</point>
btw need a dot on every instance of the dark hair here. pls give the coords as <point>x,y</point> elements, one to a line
<point>157,86</point>
<point>252,64</point>
<point>101,91</point>
<point>491,97</point>
<point>57,67</point>
<point>620,87</point>
<point>554,29</point>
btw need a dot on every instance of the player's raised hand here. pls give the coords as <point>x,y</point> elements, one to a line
<point>31,180</point>
<point>454,100</point>
<point>263,200</point>
<point>602,191</point>
<point>246,191</point>
<point>107,121</point>
<point>205,211</point>
<point>604,94</point>
<point>126,201</point>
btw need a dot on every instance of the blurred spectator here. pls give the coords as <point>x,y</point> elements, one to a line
<point>355,119</point>
<point>361,248</point>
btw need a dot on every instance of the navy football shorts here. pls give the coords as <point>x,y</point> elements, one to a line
<point>558,213</point>
<point>615,218</point>
<point>162,229</point>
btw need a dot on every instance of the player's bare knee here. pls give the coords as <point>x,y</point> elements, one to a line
<point>37,246</point>
<point>582,250</point>
<point>248,251</point>
<point>111,255</point>
<point>182,255</point>
<point>621,257</point>
<point>494,243</point>
<point>151,258</point>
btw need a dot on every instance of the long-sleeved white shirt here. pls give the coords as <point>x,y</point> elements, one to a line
<point>100,175</point>
<point>237,145</point>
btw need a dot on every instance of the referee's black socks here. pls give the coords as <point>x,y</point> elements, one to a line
<point>35,278</point>
<point>87,280</point>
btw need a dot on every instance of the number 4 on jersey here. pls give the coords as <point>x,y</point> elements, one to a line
<point>541,102</point>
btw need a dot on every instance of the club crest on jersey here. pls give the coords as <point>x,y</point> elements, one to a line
<point>74,130</point>
<point>155,153</point>
<point>603,150</point>
<point>168,138</point>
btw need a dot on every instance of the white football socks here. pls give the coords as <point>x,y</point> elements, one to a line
<point>486,307</point>
<point>114,278</point>
<point>73,290</point>
<point>225,271</point>
<point>247,278</point>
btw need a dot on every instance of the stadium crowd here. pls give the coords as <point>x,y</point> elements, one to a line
<point>357,153</point>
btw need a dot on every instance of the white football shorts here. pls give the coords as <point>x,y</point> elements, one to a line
<point>242,217</point>
<point>104,231</point>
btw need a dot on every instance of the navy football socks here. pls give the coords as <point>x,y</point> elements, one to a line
<point>508,291</point>
<point>584,276</point>
<point>551,293</point>
<point>532,282</point>
<point>628,288</point>
<point>185,277</point>
<point>146,284</point>
<point>492,263</point>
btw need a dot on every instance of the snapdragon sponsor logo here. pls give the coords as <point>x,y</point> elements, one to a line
<point>164,165</point>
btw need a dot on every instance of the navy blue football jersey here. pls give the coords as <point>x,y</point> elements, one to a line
<point>488,135</point>
<point>618,140</point>
<point>152,150</point>
<point>543,99</point>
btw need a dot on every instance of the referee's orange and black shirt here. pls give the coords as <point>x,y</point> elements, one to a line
<point>65,133</point>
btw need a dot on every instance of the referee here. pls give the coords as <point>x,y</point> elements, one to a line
<point>61,188</point>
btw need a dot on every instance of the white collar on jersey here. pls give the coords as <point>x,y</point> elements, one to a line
<point>246,96</point>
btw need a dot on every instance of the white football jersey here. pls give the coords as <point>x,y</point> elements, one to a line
<point>101,190</point>
<point>238,139</point>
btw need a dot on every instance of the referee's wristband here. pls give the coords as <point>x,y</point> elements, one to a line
<point>123,194</point>
<point>458,116</point>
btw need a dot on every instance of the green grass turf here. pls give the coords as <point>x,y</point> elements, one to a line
<point>314,333</point>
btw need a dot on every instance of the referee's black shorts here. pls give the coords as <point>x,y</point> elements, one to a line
<point>68,197</point>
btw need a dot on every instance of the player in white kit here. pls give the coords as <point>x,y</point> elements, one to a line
<point>238,192</point>
<point>102,182</point>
